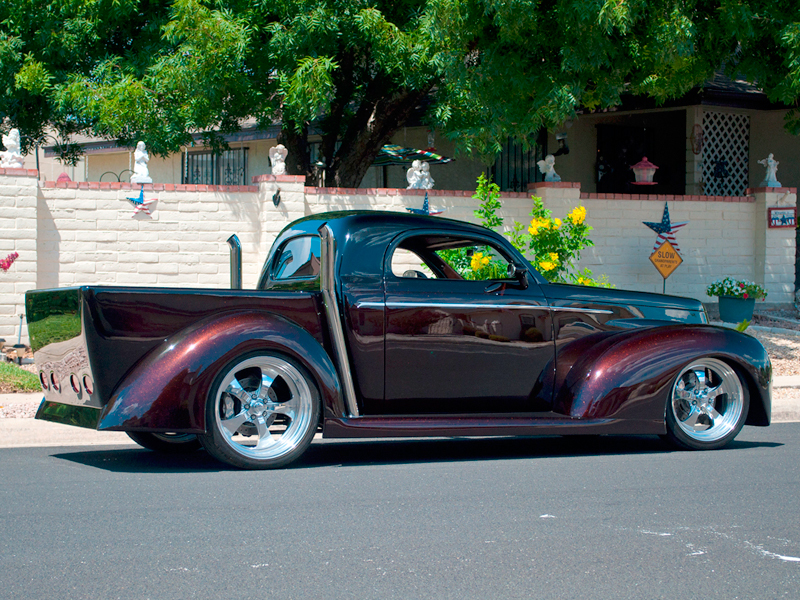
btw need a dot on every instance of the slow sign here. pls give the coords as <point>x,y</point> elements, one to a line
<point>666,259</point>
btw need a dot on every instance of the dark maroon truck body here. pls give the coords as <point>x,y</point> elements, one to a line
<point>418,355</point>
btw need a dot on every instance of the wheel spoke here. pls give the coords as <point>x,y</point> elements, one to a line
<point>691,420</point>
<point>232,425</point>
<point>712,414</point>
<point>264,436</point>
<point>236,390</point>
<point>288,408</point>
<point>265,386</point>
<point>714,392</point>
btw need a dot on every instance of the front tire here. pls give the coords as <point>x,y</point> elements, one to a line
<point>262,412</point>
<point>707,406</point>
<point>166,443</point>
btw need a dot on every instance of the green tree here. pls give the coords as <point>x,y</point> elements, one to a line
<point>355,71</point>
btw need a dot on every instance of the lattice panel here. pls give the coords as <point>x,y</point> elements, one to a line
<point>726,153</point>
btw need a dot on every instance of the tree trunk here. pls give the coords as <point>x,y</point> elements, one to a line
<point>376,121</point>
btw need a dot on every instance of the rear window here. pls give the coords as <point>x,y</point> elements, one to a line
<point>298,258</point>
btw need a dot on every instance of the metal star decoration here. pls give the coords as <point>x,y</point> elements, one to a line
<point>140,204</point>
<point>425,210</point>
<point>665,230</point>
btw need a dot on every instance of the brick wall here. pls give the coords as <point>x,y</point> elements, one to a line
<point>87,233</point>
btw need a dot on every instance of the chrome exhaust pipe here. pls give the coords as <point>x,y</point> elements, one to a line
<point>236,262</point>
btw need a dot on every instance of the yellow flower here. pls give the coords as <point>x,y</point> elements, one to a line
<point>578,215</point>
<point>546,223</point>
<point>554,257</point>
<point>478,261</point>
<point>547,265</point>
<point>534,227</point>
<point>558,223</point>
<point>582,281</point>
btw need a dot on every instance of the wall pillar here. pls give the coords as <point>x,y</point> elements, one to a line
<point>774,256</point>
<point>18,199</point>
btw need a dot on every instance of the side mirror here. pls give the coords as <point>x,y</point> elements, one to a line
<point>519,273</point>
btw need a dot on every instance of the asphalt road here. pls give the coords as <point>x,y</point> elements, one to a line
<point>606,518</point>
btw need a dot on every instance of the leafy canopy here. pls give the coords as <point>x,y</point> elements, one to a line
<point>355,71</point>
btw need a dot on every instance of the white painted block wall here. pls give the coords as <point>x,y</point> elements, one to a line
<point>87,234</point>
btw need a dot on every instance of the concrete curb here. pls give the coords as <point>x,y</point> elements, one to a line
<point>24,433</point>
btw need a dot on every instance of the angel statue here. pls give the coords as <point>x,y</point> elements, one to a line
<point>419,176</point>
<point>11,158</point>
<point>771,178</point>
<point>278,154</point>
<point>547,167</point>
<point>140,158</point>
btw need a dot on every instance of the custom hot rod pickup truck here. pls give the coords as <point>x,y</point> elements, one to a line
<point>363,325</point>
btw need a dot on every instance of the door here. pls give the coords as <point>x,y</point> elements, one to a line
<point>461,336</point>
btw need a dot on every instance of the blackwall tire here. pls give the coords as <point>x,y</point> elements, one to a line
<point>262,412</point>
<point>707,405</point>
<point>167,443</point>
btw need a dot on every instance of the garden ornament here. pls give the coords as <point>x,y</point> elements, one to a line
<point>771,178</point>
<point>140,158</point>
<point>11,158</point>
<point>277,155</point>
<point>419,176</point>
<point>547,168</point>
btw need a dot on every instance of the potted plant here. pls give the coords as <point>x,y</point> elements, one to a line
<point>737,298</point>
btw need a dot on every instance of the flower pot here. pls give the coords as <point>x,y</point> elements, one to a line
<point>736,310</point>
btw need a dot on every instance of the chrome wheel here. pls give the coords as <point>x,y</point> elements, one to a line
<point>707,406</point>
<point>263,413</point>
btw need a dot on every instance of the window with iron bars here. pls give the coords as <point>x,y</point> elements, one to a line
<point>516,167</point>
<point>205,167</point>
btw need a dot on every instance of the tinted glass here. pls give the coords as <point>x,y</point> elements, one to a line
<point>298,258</point>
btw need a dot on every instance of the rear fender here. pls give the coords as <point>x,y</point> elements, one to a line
<point>628,375</point>
<point>168,388</point>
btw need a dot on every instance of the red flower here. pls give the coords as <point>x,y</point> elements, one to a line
<point>745,296</point>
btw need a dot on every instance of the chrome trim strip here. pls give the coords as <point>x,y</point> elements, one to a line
<point>381,305</point>
<point>328,285</point>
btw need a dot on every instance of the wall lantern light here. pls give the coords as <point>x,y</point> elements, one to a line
<point>644,171</point>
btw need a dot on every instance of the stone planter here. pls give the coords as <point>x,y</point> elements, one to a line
<point>736,310</point>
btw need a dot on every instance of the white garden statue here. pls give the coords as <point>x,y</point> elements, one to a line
<point>140,159</point>
<point>11,158</point>
<point>419,176</point>
<point>771,178</point>
<point>278,154</point>
<point>548,168</point>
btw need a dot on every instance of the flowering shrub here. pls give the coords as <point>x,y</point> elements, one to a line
<point>553,246</point>
<point>6,262</point>
<point>736,288</point>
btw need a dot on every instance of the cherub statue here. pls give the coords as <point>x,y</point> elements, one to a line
<point>414,174</point>
<point>425,180</point>
<point>140,159</point>
<point>419,176</point>
<point>11,158</point>
<point>278,154</point>
<point>547,167</point>
<point>771,178</point>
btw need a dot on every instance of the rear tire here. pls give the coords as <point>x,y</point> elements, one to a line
<point>262,412</point>
<point>167,443</point>
<point>707,406</point>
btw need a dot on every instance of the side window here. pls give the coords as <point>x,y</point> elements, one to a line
<point>298,258</point>
<point>448,257</point>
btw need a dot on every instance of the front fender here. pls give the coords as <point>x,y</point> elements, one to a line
<point>168,388</point>
<point>629,374</point>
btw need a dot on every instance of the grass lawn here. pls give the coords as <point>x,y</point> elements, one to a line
<point>14,379</point>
